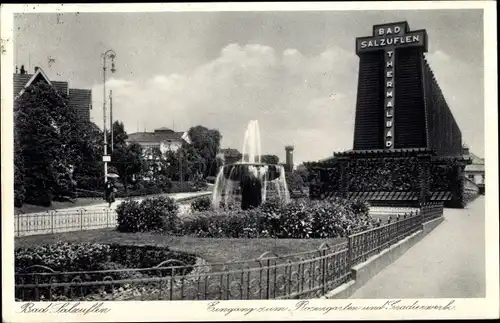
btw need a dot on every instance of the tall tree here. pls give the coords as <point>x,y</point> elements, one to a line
<point>119,135</point>
<point>270,159</point>
<point>128,161</point>
<point>47,132</point>
<point>89,173</point>
<point>206,143</point>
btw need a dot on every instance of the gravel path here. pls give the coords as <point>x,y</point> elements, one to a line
<point>448,263</point>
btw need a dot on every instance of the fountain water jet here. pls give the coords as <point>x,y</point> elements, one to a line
<point>252,178</point>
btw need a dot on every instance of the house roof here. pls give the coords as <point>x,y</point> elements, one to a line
<point>474,168</point>
<point>22,81</point>
<point>80,100</point>
<point>61,87</point>
<point>155,136</point>
<point>229,152</point>
<point>476,160</point>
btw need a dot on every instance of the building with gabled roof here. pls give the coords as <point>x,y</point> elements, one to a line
<point>78,99</point>
<point>164,139</point>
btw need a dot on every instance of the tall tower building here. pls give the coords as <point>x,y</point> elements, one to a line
<point>289,158</point>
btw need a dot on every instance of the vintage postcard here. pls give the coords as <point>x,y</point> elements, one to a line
<point>249,161</point>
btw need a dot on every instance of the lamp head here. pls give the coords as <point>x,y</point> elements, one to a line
<point>113,69</point>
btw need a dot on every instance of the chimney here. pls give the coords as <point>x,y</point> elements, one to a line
<point>36,68</point>
<point>23,71</point>
<point>17,70</point>
<point>289,158</point>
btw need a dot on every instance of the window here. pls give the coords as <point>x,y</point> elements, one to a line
<point>471,177</point>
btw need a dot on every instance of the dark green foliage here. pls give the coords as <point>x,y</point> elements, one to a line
<point>270,159</point>
<point>152,214</point>
<point>89,173</point>
<point>128,161</point>
<point>69,257</point>
<point>299,219</point>
<point>201,204</point>
<point>294,181</point>
<point>205,144</point>
<point>62,256</point>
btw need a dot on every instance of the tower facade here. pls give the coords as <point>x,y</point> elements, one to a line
<point>289,158</point>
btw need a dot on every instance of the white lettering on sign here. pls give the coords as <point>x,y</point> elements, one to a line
<point>389,95</point>
<point>389,37</point>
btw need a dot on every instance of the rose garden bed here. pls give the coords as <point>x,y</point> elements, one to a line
<point>150,232</point>
<point>71,264</point>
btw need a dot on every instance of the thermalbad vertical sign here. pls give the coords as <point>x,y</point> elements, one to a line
<point>388,38</point>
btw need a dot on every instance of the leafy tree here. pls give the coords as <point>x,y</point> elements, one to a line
<point>206,143</point>
<point>270,159</point>
<point>128,161</point>
<point>294,181</point>
<point>19,190</point>
<point>89,172</point>
<point>47,131</point>
<point>119,135</point>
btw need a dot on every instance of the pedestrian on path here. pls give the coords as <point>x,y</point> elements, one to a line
<point>109,192</point>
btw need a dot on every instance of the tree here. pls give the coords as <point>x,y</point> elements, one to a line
<point>206,143</point>
<point>47,135</point>
<point>89,173</point>
<point>294,181</point>
<point>270,159</point>
<point>119,135</point>
<point>19,190</point>
<point>128,161</point>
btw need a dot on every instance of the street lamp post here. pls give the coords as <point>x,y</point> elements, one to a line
<point>108,55</point>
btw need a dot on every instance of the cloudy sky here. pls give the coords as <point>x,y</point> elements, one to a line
<point>295,72</point>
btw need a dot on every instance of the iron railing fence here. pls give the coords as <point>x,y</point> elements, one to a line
<point>431,210</point>
<point>366,244</point>
<point>302,275</point>
<point>55,221</point>
<point>271,276</point>
<point>63,221</point>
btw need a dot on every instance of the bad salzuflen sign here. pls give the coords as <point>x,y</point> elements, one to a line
<point>390,37</point>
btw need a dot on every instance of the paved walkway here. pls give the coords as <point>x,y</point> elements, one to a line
<point>448,263</point>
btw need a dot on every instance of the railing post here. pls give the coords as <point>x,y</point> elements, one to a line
<point>81,220</point>
<point>324,271</point>
<point>268,292</point>
<point>52,221</point>
<point>107,217</point>
<point>19,225</point>
<point>349,252</point>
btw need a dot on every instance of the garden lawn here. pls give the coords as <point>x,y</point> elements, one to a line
<point>210,249</point>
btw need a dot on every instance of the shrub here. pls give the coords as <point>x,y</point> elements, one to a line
<point>295,220</point>
<point>152,214</point>
<point>62,256</point>
<point>201,204</point>
<point>301,218</point>
<point>129,216</point>
<point>115,258</point>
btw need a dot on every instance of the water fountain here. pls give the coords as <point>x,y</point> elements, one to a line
<point>249,178</point>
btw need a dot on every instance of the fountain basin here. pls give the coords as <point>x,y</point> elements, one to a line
<point>239,171</point>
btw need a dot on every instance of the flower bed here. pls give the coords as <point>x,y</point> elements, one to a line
<point>299,219</point>
<point>92,262</point>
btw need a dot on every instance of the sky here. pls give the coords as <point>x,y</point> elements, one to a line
<point>294,72</point>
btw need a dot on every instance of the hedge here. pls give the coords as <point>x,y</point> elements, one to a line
<point>152,214</point>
